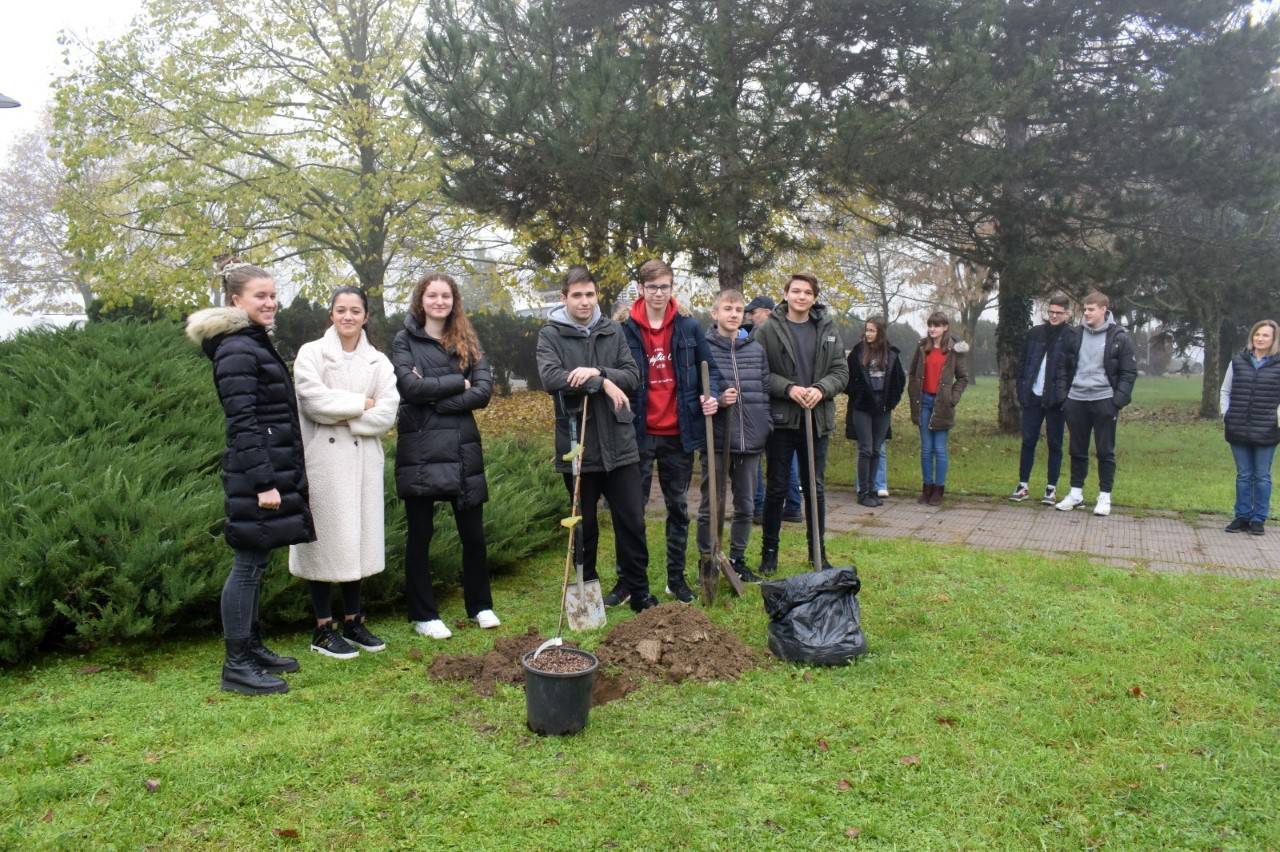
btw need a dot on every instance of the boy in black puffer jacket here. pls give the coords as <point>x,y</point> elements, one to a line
<point>743,421</point>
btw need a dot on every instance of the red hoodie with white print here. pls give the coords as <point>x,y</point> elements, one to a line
<point>660,402</point>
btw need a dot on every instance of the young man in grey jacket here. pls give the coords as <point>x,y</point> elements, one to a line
<point>743,421</point>
<point>583,360</point>
<point>1097,381</point>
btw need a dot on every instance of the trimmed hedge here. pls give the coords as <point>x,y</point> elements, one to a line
<point>110,446</point>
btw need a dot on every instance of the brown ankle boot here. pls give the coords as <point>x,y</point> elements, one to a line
<point>935,499</point>
<point>926,491</point>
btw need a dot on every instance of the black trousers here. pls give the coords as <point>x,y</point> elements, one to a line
<point>1098,417</point>
<point>322,597</point>
<point>675,471</point>
<point>870,429</point>
<point>782,443</point>
<point>1033,414</point>
<point>621,487</point>
<point>420,513</point>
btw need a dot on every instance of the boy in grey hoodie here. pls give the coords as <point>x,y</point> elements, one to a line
<point>1097,381</point>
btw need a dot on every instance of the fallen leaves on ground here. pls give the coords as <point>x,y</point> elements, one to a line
<point>1136,692</point>
<point>527,414</point>
<point>822,744</point>
<point>910,760</point>
<point>852,832</point>
<point>843,784</point>
<point>285,832</point>
<point>152,784</point>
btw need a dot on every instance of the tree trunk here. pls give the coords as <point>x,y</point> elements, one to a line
<point>730,267</point>
<point>1215,367</point>
<point>1011,341</point>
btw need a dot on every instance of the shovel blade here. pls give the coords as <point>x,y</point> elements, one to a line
<point>726,568</point>
<point>708,579</point>
<point>584,604</point>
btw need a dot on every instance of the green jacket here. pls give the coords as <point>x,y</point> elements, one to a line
<point>830,370</point>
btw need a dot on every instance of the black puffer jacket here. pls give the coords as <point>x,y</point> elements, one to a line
<point>438,451</point>
<point>264,442</point>
<point>1252,401</point>
<point>862,397</point>
<point>743,365</point>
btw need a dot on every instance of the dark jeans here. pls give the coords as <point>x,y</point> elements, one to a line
<point>782,444</point>
<point>1253,481</point>
<point>792,506</point>
<point>675,470</point>
<point>1033,415</point>
<point>322,597</point>
<point>420,513</point>
<point>621,487</point>
<point>241,591</point>
<point>870,429</point>
<point>741,476</point>
<point>1098,417</point>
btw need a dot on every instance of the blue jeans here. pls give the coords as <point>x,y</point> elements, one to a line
<point>1253,481</point>
<point>882,472</point>
<point>792,506</point>
<point>933,446</point>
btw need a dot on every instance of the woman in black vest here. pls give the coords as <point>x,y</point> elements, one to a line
<point>876,382</point>
<point>1249,401</point>
<point>263,473</point>
<point>442,376</point>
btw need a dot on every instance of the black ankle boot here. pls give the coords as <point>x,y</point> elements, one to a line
<point>267,658</point>
<point>242,673</point>
<point>769,561</point>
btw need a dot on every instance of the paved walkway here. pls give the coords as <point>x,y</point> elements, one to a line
<point>1158,541</point>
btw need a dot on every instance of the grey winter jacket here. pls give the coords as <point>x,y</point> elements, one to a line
<point>830,372</point>
<point>610,441</point>
<point>743,365</point>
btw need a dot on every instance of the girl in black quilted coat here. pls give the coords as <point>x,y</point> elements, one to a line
<point>263,473</point>
<point>442,377</point>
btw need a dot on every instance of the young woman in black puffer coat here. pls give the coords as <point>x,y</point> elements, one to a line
<point>442,377</point>
<point>876,382</point>
<point>1249,401</point>
<point>263,473</point>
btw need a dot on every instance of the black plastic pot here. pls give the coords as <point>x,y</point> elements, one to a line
<point>556,703</point>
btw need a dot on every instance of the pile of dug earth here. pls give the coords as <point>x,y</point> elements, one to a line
<point>666,644</point>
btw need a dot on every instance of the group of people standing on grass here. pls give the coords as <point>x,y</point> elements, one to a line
<point>303,464</point>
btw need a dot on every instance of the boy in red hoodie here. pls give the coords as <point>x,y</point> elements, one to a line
<point>669,348</point>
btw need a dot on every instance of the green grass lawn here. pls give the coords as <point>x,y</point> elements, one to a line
<point>1166,458</point>
<point>1009,701</point>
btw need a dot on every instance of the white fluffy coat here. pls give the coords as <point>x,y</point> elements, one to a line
<point>345,461</point>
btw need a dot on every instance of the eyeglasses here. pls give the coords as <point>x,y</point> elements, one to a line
<point>657,288</point>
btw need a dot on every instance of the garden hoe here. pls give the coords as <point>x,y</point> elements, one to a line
<point>710,566</point>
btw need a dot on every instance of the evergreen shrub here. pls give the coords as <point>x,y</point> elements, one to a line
<point>110,445</point>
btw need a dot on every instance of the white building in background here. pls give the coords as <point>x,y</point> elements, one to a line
<point>11,324</point>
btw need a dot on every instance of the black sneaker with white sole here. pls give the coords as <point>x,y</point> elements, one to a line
<point>618,596</point>
<point>680,590</point>
<point>744,573</point>
<point>1050,495</point>
<point>328,641</point>
<point>1020,493</point>
<point>356,633</point>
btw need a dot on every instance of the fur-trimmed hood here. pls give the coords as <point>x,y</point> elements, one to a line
<point>950,343</point>
<point>206,326</point>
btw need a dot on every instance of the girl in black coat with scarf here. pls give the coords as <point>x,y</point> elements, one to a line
<point>876,382</point>
<point>442,377</point>
<point>263,473</point>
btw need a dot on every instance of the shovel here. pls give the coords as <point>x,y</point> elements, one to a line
<point>583,602</point>
<point>716,563</point>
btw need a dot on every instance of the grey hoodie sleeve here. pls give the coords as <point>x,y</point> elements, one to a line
<point>1224,394</point>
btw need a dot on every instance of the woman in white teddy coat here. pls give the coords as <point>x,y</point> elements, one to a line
<point>347,400</point>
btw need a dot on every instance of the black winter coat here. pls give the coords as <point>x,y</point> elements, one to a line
<point>264,441</point>
<point>1038,350</point>
<point>438,451</point>
<point>862,397</point>
<point>1252,401</point>
<point>1118,361</point>
<point>743,365</point>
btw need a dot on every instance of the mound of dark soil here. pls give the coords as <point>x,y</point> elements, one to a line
<point>666,644</point>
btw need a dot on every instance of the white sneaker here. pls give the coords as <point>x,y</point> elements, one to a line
<point>1074,498</point>
<point>1103,506</point>
<point>486,619</point>
<point>435,629</point>
<point>883,492</point>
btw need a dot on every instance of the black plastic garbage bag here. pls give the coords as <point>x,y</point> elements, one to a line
<point>814,618</point>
